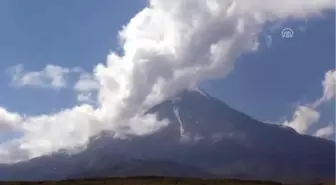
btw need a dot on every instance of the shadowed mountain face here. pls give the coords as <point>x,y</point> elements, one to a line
<point>205,138</point>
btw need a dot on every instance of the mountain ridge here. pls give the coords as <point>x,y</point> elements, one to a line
<point>205,136</point>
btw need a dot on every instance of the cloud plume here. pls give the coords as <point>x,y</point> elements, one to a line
<point>307,115</point>
<point>303,118</point>
<point>86,88</point>
<point>329,87</point>
<point>167,47</point>
<point>325,132</point>
<point>8,120</point>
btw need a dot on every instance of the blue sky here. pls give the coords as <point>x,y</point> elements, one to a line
<point>270,83</point>
<point>66,33</point>
<point>266,85</point>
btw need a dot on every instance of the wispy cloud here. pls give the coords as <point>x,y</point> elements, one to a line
<point>51,76</point>
<point>329,87</point>
<point>303,118</point>
<point>307,115</point>
<point>8,121</point>
<point>325,132</point>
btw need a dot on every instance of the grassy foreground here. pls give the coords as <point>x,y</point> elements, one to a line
<point>145,181</point>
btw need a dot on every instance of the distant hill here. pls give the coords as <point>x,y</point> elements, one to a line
<point>205,139</point>
<point>148,181</point>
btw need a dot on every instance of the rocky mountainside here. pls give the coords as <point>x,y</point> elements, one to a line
<point>206,138</point>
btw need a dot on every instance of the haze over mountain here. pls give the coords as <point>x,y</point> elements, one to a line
<point>206,138</point>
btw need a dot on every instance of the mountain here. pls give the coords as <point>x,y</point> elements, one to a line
<point>149,180</point>
<point>206,138</point>
<point>93,165</point>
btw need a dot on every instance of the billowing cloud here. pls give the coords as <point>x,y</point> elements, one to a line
<point>56,77</point>
<point>168,46</point>
<point>325,132</point>
<point>51,76</point>
<point>8,121</point>
<point>46,133</point>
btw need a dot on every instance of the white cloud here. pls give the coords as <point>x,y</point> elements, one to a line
<point>86,88</point>
<point>305,116</point>
<point>329,85</point>
<point>86,83</point>
<point>168,46</point>
<point>302,119</point>
<point>85,97</point>
<point>325,132</point>
<point>51,76</point>
<point>8,121</point>
<point>56,77</point>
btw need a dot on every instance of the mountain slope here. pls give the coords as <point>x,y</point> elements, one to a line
<point>148,180</point>
<point>205,137</point>
<point>229,142</point>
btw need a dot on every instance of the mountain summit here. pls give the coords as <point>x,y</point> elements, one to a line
<point>205,138</point>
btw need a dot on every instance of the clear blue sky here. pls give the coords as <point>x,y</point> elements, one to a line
<point>266,85</point>
<point>62,32</point>
<point>272,82</point>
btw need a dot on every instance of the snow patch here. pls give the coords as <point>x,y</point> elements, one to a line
<point>176,112</point>
<point>202,92</point>
<point>184,136</point>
